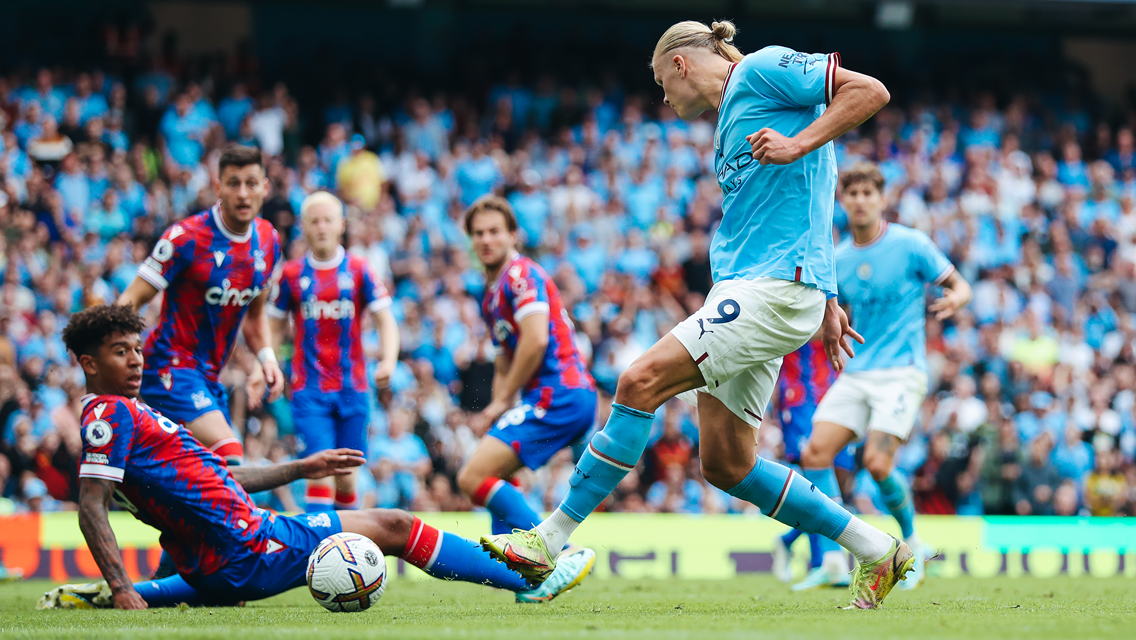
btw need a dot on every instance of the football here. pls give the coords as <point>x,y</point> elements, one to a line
<point>347,572</point>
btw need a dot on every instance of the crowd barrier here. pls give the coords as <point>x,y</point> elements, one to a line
<point>665,545</point>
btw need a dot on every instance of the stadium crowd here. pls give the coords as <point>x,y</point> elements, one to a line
<point>1032,407</point>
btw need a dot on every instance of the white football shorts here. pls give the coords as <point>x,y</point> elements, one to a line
<point>885,400</point>
<point>739,337</point>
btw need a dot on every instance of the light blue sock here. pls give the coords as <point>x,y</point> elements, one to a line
<point>897,498</point>
<point>510,507</point>
<point>609,456</point>
<point>168,592</point>
<point>791,499</point>
<point>826,483</point>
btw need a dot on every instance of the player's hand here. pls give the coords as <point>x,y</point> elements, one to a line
<point>481,422</point>
<point>383,375</point>
<point>331,462</point>
<point>275,379</point>
<point>770,147</point>
<point>255,388</point>
<point>948,305</point>
<point>835,332</point>
<point>129,599</point>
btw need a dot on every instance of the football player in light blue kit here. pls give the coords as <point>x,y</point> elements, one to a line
<point>883,271</point>
<point>772,260</point>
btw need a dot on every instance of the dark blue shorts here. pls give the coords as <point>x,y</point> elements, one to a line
<point>183,395</point>
<point>797,426</point>
<point>263,575</point>
<point>537,434</point>
<point>331,420</point>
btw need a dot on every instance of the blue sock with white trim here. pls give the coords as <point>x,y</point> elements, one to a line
<point>897,498</point>
<point>609,456</point>
<point>789,498</point>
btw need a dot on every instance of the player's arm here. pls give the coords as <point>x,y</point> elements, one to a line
<point>855,98</point>
<point>258,337</point>
<point>329,462</point>
<point>958,295</point>
<point>138,294</point>
<point>389,339</point>
<point>94,496</point>
<point>532,342</point>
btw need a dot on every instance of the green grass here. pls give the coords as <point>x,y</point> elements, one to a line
<point>976,609</point>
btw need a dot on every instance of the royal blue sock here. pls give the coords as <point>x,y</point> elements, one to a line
<point>498,526</point>
<point>609,456</point>
<point>507,504</point>
<point>448,556</point>
<point>817,549</point>
<point>168,592</point>
<point>897,498</point>
<point>826,483</point>
<point>790,537</point>
<point>788,498</point>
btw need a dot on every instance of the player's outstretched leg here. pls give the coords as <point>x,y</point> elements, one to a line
<point>166,592</point>
<point>665,370</point>
<point>830,567</point>
<point>726,446</point>
<point>449,556</point>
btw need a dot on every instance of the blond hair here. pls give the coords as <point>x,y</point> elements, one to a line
<point>718,37</point>
<point>318,198</point>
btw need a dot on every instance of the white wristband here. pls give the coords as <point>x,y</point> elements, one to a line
<point>266,354</point>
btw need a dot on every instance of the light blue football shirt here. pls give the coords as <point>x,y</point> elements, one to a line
<point>884,284</point>
<point>777,219</point>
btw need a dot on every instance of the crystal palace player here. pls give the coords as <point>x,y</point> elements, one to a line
<point>328,292</point>
<point>537,359</point>
<point>226,549</point>
<point>214,267</point>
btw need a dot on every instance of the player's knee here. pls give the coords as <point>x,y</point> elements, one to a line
<point>638,385</point>
<point>878,465</point>
<point>812,457</point>
<point>721,473</point>
<point>469,480</point>
<point>391,529</point>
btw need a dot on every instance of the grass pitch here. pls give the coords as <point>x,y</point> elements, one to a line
<point>976,609</point>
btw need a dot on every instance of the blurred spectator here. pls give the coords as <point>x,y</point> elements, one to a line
<point>1037,482</point>
<point>399,462</point>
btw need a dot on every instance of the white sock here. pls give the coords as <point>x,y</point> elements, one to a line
<point>865,542</point>
<point>914,542</point>
<point>834,563</point>
<point>556,530</point>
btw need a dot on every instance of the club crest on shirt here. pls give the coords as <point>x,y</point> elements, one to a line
<point>97,433</point>
<point>346,281</point>
<point>305,282</point>
<point>200,400</point>
<point>258,261</point>
<point>864,271</point>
